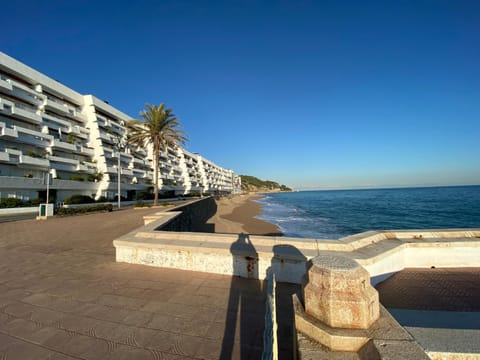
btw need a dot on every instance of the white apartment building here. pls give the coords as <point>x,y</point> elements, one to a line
<point>48,128</point>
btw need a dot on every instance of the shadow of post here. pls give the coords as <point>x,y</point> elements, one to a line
<point>245,315</point>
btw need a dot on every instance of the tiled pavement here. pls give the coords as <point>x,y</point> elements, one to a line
<point>63,296</point>
<point>441,289</point>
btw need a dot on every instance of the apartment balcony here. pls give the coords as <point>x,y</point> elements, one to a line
<point>138,162</point>
<point>90,165</point>
<point>106,137</point>
<point>126,157</point>
<point>26,113</point>
<point>141,152</point>
<point>112,169</point>
<point>13,152</point>
<point>76,130</point>
<point>5,84</point>
<point>31,132</point>
<point>8,131</point>
<point>103,122</point>
<point>84,169</point>
<point>30,96</point>
<point>108,153</point>
<point>54,105</point>
<point>55,119</point>
<point>75,114</point>
<point>138,173</point>
<point>33,162</point>
<point>85,150</point>
<point>4,156</point>
<point>63,145</point>
<point>63,160</point>
<point>126,172</point>
<point>32,137</point>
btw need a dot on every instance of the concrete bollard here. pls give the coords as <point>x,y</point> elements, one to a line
<point>339,294</point>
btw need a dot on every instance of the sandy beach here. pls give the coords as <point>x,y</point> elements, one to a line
<point>237,215</point>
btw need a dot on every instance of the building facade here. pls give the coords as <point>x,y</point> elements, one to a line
<point>51,134</point>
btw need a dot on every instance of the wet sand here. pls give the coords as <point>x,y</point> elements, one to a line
<point>237,215</point>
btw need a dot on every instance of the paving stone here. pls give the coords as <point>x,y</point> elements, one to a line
<point>430,289</point>
<point>62,291</point>
<point>25,351</point>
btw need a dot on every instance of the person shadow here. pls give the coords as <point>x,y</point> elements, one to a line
<point>245,315</point>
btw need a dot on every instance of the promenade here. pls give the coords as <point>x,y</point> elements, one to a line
<point>63,296</point>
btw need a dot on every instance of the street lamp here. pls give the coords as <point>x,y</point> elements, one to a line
<point>120,144</point>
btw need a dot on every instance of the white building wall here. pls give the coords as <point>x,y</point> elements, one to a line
<point>46,126</point>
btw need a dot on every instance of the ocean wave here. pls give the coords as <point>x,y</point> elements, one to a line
<point>334,214</point>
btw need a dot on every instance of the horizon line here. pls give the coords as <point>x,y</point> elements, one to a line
<point>379,187</point>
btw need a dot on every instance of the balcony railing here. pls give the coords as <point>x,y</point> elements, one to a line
<point>86,151</point>
<point>4,156</point>
<point>51,104</point>
<point>26,113</point>
<point>53,118</point>
<point>63,160</point>
<point>31,161</point>
<point>75,130</point>
<point>5,84</point>
<point>33,133</point>
<point>85,168</point>
<point>26,96</point>
<point>106,137</point>
<point>63,145</point>
<point>8,131</point>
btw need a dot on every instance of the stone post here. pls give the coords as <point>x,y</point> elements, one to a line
<point>337,292</point>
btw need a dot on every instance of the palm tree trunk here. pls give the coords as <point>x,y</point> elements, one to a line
<point>156,156</point>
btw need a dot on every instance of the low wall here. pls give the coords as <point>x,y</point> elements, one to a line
<point>19,210</point>
<point>193,216</point>
<point>382,253</point>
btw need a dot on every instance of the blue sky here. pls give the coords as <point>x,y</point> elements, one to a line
<point>314,94</point>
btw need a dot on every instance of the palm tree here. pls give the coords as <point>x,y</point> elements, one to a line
<point>161,128</point>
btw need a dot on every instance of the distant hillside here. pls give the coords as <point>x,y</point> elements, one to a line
<point>251,183</point>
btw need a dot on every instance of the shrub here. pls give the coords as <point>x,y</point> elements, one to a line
<point>83,210</point>
<point>10,203</point>
<point>78,199</point>
<point>101,199</point>
<point>146,195</point>
<point>98,176</point>
<point>35,202</point>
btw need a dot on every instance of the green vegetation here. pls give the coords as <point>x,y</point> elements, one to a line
<point>161,128</point>
<point>84,209</point>
<point>252,183</point>
<point>78,199</point>
<point>13,203</point>
<point>10,203</point>
<point>77,178</point>
<point>97,176</point>
<point>71,139</point>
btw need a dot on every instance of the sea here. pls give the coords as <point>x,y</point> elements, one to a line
<point>332,214</point>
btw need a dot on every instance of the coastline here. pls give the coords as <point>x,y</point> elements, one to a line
<point>237,215</point>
